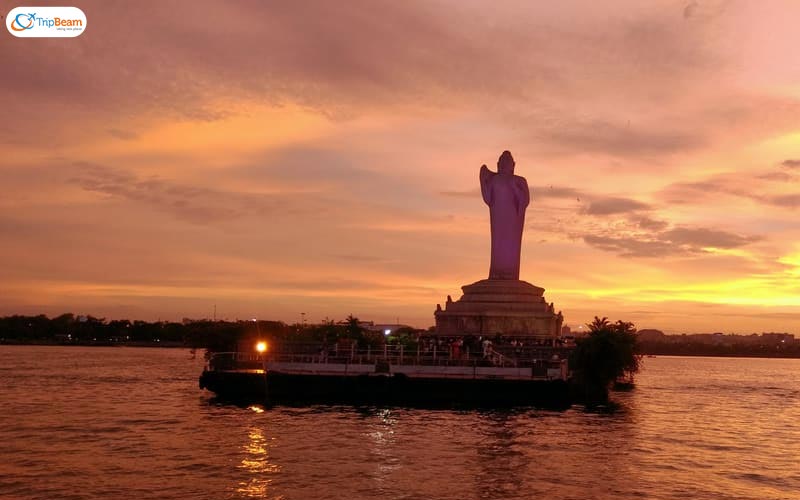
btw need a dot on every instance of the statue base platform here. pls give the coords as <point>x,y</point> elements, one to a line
<point>492,307</point>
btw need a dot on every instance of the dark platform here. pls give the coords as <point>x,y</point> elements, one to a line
<point>397,389</point>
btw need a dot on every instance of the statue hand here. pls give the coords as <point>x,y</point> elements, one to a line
<point>485,172</point>
<point>485,177</point>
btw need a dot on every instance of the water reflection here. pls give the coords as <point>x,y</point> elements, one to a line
<point>501,464</point>
<point>256,462</point>
<point>381,434</point>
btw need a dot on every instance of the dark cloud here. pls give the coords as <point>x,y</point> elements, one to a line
<point>689,192</point>
<point>284,183</point>
<point>622,139</point>
<point>347,59</point>
<point>703,237</point>
<point>125,135</point>
<point>649,224</point>
<point>747,185</point>
<point>394,54</point>
<point>323,172</point>
<point>791,316</point>
<point>777,176</point>
<point>786,200</point>
<point>614,205</point>
<point>678,241</point>
<point>752,186</point>
<point>198,205</point>
<point>632,246</point>
<point>791,163</point>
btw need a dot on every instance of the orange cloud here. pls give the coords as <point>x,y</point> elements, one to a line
<point>273,162</point>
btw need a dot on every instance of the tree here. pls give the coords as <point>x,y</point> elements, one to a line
<point>362,336</point>
<point>598,324</point>
<point>353,328</point>
<point>609,352</point>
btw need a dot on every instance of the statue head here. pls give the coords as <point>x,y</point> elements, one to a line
<point>505,164</point>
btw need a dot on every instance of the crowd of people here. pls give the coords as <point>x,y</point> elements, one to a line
<point>471,346</point>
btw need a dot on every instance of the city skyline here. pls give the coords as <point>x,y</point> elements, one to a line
<point>155,170</point>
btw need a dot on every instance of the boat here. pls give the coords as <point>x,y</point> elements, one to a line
<point>535,375</point>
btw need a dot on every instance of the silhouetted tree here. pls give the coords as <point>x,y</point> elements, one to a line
<point>607,353</point>
<point>353,327</point>
<point>598,324</point>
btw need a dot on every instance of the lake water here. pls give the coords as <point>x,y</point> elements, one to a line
<point>114,423</point>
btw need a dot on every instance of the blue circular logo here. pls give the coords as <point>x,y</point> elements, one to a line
<point>25,24</point>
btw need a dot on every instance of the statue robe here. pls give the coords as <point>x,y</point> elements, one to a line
<point>507,196</point>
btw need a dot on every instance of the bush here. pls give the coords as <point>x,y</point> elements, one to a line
<point>609,352</point>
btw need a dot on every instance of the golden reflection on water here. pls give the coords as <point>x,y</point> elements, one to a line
<point>382,449</point>
<point>256,462</point>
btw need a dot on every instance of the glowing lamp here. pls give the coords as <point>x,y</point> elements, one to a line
<point>261,346</point>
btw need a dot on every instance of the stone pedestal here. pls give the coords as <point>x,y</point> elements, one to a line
<point>505,307</point>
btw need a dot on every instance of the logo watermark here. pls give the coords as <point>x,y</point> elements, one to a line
<point>41,22</point>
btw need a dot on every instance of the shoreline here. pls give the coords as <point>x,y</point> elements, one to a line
<point>166,344</point>
<point>178,345</point>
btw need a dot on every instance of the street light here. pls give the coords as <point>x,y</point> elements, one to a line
<point>261,347</point>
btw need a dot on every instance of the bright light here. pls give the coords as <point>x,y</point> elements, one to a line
<point>261,346</point>
<point>387,332</point>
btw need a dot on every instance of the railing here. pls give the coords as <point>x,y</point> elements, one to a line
<point>498,359</point>
<point>536,357</point>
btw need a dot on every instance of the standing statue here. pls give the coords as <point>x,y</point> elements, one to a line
<point>507,196</point>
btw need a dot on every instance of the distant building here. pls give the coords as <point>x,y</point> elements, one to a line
<point>651,335</point>
<point>774,338</point>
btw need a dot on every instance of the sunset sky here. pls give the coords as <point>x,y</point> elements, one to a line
<point>274,158</point>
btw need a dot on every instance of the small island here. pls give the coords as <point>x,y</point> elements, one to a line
<point>500,343</point>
